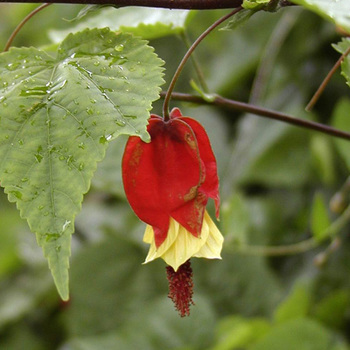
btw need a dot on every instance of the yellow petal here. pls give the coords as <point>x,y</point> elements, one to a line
<point>148,237</point>
<point>180,245</point>
<point>213,245</point>
<point>184,247</point>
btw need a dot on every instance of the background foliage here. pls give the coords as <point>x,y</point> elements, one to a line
<point>276,183</point>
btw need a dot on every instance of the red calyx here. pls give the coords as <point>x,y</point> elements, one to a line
<point>172,176</point>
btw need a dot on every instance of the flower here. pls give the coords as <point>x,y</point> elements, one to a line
<point>168,183</point>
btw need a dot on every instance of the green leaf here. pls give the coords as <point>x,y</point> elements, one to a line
<point>236,219</point>
<point>332,310</point>
<point>296,305</point>
<point>236,332</point>
<point>342,47</point>
<point>297,334</point>
<point>341,120</point>
<point>319,218</point>
<point>149,23</point>
<point>239,18</point>
<point>323,158</point>
<point>57,117</point>
<point>336,11</point>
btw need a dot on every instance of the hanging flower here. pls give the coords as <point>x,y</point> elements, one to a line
<point>168,183</point>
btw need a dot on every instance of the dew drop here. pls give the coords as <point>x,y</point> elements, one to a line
<point>24,179</point>
<point>96,63</point>
<point>40,207</point>
<point>120,122</point>
<point>81,166</point>
<point>62,158</point>
<point>119,48</point>
<point>81,145</point>
<point>89,111</point>
<point>58,248</point>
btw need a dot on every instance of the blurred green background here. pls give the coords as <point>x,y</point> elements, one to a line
<point>255,298</point>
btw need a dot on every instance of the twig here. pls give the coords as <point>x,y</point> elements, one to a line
<point>263,112</point>
<point>22,23</point>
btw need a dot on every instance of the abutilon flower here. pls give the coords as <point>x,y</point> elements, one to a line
<point>168,183</point>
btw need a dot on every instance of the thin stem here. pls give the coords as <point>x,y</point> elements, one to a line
<point>262,112</point>
<point>300,247</point>
<point>326,80</point>
<point>282,250</point>
<point>187,56</point>
<point>22,23</point>
<point>195,63</point>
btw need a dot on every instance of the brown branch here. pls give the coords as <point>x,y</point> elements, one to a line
<point>170,4</point>
<point>263,112</point>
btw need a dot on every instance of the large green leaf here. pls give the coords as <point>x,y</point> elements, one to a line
<point>149,23</point>
<point>336,11</point>
<point>57,116</point>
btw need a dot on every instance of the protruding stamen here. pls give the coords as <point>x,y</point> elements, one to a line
<point>181,287</point>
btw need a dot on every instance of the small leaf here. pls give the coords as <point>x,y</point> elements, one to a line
<point>319,218</point>
<point>336,11</point>
<point>57,117</point>
<point>148,23</point>
<point>238,19</point>
<point>342,47</point>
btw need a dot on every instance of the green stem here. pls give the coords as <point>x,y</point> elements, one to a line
<point>187,56</point>
<point>282,250</point>
<point>22,23</point>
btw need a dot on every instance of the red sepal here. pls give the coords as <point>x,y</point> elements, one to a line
<point>163,175</point>
<point>172,176</point>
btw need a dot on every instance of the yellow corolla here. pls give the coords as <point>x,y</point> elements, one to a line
<point>180,245</point>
